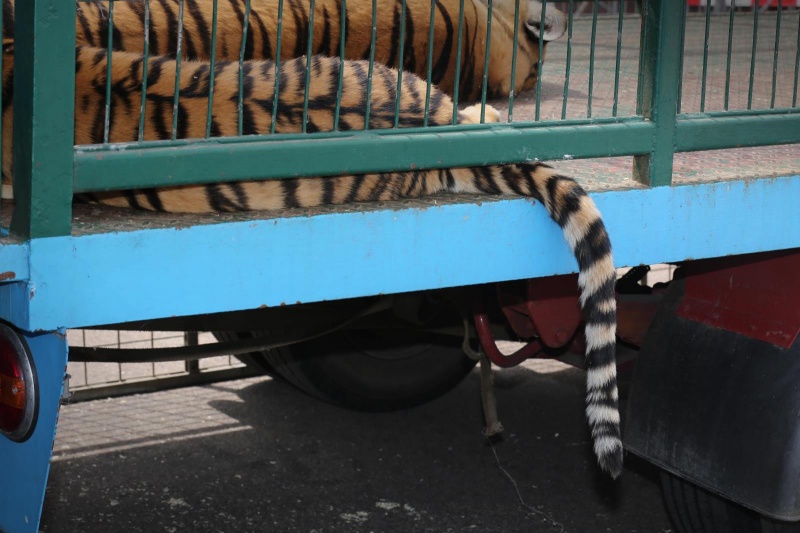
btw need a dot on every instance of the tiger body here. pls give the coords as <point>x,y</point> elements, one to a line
<point>565,201</point>
<point>262,36</point>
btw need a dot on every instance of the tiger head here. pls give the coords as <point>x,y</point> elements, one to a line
<point>531,25</point>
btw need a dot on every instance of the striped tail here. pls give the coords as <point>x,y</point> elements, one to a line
<point>573,210</point>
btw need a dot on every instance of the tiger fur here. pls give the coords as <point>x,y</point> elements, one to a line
<point>261,41</point>
<point>565,201</point>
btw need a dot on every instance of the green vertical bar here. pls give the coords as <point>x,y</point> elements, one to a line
<point>514,63</point>
<point>756,10</point>
<point>371,61</point>
<point>642,38</point>
<point>277,91</point>
<point>659,89</point>
<point>240,103</point>
<point>178,52</point>
<point>591,60</point>
<point>705,59</point>
<point>728,64</point>
<point>145,69</point>
<point>457,80</point>
<point>569,60</point>
<point>342,33</point>
<point>683,48</point>
<point>212,68</point>
<point>775,59</point>
<point>400,63</point>
<point>486,62</point>
<point>539,63</point>
<point>618,57</point>
<point>109,56</point>
<point>309,51</point>
<point>430,64</point>
<point>796,65</point>
<point>44,117</point>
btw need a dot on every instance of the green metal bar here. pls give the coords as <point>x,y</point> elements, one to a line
<point>539,64</point>
<point>681,60</point>
<point>240,103</point>
<point>457,80</point>
<point>44,118</point>
<point>514,63</point>
<point>796,66</point>
<point>342,33</point>
<point>618,58</point>
<point>400,65</point>
<point>371,61</point>
<point>775,58</point>
<point>178,52</point>
<point>213,68</point>
<point>277,91</point>
<point>486,57</point>
<point>309,51</point>
<point>430,65</point>
<point>756,10</point>
<point>728,63</point>
<point>713,133</point>
<point>569,61</point>
<point>389,150</point>
<point>705,59</point>
<point>660,89</point>
<point>642,39</point>
<point>145,68</point>
<point>591,60</point>
<point>109,56</point>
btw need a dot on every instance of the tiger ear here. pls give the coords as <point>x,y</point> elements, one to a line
<point>554,25</point>
<point>8,45</point>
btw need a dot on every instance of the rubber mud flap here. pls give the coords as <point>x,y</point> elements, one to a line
<point>720,410</point>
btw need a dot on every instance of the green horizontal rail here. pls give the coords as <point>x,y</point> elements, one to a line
<point>336,154</point>
<point>704,132</point>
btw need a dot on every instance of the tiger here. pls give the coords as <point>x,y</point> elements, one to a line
<point>261,40</point>
<point>566,202</point>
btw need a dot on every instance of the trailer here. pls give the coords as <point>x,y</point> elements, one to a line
<point>684,127</point>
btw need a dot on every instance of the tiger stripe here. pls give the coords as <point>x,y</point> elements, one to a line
<point>261,41</point>
<point>565,201</point>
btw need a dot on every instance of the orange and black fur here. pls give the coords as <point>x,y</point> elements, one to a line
<point>565,201</point>
<point>262,43</point>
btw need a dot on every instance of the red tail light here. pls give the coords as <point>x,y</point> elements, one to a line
<point>18,394</point>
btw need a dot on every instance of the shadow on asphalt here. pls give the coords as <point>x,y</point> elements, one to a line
<point>256,455</point>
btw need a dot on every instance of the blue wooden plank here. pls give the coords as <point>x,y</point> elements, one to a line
<point>104,278</point>
<point>26,465</point>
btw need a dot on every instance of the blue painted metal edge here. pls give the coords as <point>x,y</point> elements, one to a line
<point>26,465</point>
<point>105,278</point>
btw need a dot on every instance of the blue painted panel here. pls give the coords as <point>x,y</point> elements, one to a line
<point>155,273</point>
<point>13,262</point>
<point>25,466</point>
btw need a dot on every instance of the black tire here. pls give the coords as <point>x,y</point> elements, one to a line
<point>696,510</point>
<point>365,370</point>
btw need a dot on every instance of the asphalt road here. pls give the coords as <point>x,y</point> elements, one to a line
<point>256,455</point>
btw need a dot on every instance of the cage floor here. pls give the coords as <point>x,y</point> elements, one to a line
<point>608,173</point>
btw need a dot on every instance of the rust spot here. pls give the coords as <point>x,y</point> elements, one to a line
<point>31,297</point>
<point>413,166</point>
<point>283,304</point>
<point>7,275</point>
<point>262,306</point>
<point>297,302</point>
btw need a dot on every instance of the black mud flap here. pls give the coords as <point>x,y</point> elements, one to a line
<point>719,409</point>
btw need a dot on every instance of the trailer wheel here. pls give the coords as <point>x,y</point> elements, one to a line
<point>695,510</point>
<point>367,370</point>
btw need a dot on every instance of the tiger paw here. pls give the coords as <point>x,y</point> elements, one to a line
<point>472,114</point>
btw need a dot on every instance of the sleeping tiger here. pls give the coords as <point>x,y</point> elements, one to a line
<point>261,42</point>
<point>566,202</point>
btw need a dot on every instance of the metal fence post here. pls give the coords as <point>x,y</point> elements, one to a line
<point>661,71</point>
<point>44,102</point>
